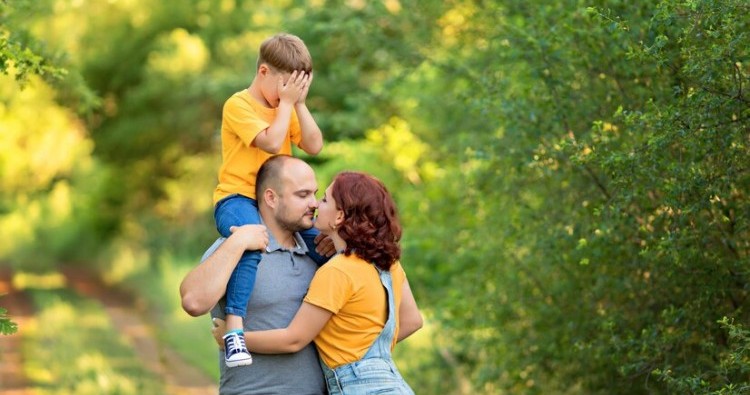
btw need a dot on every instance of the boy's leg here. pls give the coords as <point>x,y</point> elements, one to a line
<point>239,287</point>
<point>309,237</point>
<point>236,211</point>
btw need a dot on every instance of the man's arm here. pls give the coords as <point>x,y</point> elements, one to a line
<point>203,286</point>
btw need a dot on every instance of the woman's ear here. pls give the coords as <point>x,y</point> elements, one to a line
<point>339,218</point>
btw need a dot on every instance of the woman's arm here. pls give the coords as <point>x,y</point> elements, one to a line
<point>409,317</point>
<point>307,323</point>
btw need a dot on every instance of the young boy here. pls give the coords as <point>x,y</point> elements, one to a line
<point>257,123</point>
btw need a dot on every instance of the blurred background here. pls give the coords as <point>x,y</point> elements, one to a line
<point>572,177</point>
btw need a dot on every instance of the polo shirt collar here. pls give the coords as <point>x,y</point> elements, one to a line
<point>273,245</point>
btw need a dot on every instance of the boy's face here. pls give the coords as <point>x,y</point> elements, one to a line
<point>269,84</point>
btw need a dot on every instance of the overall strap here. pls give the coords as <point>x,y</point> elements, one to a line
<point>381,348</point>
<point>376,370</point>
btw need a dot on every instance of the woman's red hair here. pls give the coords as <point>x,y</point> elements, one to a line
<point>371,227</point>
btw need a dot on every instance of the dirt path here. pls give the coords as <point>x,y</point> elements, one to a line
<point>179,378</point>
<point>12,378</point>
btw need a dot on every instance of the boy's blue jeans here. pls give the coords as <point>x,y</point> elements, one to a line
<point>237,210</point>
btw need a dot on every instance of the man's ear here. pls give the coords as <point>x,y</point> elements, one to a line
<point>270,197</point>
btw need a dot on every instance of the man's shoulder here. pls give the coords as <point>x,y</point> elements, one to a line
<point>213,248</point>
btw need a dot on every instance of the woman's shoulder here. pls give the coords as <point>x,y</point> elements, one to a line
<point>397,271</point>
<point>346,260</point>
<point>350,266</point>
<point>338,263</point>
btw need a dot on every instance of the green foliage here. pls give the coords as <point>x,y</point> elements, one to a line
<point>572,175</point>
<point>733,363</point>
<point>7,327</point>
<point>21,55</point>
<point>601,208</point>
<point>362,52</point>
<point>49,179</point>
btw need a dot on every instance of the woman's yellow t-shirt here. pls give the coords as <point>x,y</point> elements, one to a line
<point>350,288</point>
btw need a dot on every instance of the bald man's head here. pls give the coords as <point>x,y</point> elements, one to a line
<point>286,188</point>
<point>282,170</point>
<point>269,174</point>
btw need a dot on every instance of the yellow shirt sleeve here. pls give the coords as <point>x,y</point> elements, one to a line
<point>242,119</point>
<point>330,289</point>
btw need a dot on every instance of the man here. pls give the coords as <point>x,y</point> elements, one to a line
<point>285,189</point>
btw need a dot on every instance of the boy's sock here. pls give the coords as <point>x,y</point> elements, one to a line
<point>235,350</point>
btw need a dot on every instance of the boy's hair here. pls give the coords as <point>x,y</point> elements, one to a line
<point>285,52</point>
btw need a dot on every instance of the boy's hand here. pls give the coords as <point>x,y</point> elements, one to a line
<point>290,90</point>
<point>253,237</point>
<point>305,88</point>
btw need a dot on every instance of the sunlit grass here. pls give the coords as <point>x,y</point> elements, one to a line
<point>125,259</point>
<point>189,336</point>
<point>70,347</point>
<point>50,280</point>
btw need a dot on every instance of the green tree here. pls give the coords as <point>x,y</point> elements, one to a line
<point>19,59</point>
<point>164,71</point>
<point>573,175</point>
<point>20,54</point>
<point>599,225</point>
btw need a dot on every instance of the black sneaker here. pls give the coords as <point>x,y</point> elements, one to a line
<point>235,351</point>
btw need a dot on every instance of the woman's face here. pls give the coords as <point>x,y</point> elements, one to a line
<point>329,216</point>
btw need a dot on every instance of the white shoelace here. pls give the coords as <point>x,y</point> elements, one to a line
<point>235,343</point>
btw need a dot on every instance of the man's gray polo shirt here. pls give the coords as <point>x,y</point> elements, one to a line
<point>280,285</point>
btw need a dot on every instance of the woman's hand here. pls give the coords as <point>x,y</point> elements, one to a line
<point>219,329</point>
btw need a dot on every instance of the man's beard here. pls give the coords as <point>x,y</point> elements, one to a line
<point>293,225</point>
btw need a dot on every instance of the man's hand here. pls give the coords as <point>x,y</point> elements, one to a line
<point>219,329</point>
<point>253,237</point>
<point>290,91</point>
<point>324,245</point>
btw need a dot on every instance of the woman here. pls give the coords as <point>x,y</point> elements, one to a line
<point>359,304</point>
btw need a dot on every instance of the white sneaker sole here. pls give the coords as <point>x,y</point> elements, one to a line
<point>239,362</point>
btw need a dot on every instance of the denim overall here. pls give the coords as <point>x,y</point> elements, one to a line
<point>376,372</point>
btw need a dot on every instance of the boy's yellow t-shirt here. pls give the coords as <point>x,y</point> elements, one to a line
<point>242,119</point>
<point>350,288</point>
